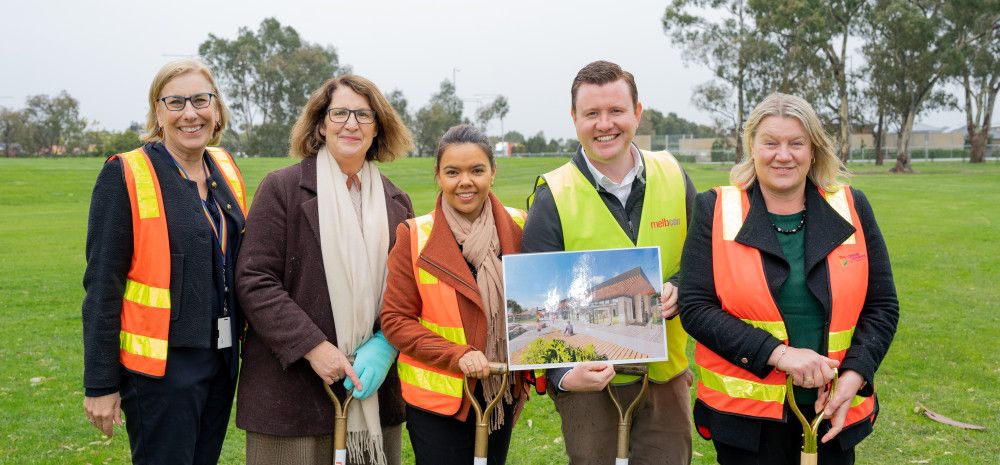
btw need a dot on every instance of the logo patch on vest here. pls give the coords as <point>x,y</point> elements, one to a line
<point>665,223</point>
<point>851,258</point>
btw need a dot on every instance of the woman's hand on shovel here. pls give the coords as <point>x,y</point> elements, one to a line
<point>474,365</point>
<point>331,364</point>
<point>848,385</point>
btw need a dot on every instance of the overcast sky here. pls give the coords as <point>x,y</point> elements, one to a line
<point>106,53</point>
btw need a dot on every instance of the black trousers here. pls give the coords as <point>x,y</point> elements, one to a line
<point>179,419</point>
<point>439,440</point>
<point>781,444</point>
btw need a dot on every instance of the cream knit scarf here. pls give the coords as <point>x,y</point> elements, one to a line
<point>354,256</point>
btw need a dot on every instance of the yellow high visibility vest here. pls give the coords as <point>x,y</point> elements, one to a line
<point>587,225</point>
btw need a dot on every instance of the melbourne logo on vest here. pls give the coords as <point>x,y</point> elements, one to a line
<point>665,223</point>
<point>851,258</point>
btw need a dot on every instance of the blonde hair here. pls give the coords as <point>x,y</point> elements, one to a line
<point>827,171</point>
<point>392,140</point>
<point>154,132</point>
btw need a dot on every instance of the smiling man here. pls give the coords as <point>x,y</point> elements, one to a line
<point>613,195</point>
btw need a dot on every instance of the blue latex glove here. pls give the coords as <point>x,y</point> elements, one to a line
<point>371,362</point>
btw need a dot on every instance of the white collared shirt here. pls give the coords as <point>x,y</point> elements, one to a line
<point>622,189</point>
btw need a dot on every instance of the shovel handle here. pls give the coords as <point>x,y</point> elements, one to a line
<point>632,369</point>
<point>497,368</point>
<point>339,419</point>
<point>483,415</point>
<point>625,417</point>
<point>810,432</point>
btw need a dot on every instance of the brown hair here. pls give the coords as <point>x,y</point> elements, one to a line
<point>392,140</point>
<point>600,73</point>
<point>169,71</point>
<point>827,171</point>
<point>464,134</point>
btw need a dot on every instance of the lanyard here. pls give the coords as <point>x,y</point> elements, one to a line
<point>219,228</point>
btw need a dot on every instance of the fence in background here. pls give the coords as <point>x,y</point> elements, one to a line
<point>863,154</point>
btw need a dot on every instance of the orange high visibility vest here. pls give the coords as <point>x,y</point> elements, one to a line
<point>424,386</point>
<point>743,292</point>
<point>145,320</point>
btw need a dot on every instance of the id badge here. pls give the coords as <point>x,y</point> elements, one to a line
<point>225,333</point>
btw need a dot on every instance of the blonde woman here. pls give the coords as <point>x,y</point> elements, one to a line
<point>160,323</point>
<point>786,274</point>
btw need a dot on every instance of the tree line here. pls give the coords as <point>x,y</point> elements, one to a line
<point>52,125</point>
<point>910,50</point>
<point>266,75</point>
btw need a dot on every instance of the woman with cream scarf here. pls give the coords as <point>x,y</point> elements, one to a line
<point>312,283</point>
<point>442,341</point>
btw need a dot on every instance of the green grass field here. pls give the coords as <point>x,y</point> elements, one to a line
<point>942,226</point>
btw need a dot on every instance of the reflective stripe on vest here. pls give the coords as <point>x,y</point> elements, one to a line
<point>743,292</point>
<point>587,225</point>
<point>425,386</point>
<point>145,317</point>
<point>231,174</point>
<point>518,215</point>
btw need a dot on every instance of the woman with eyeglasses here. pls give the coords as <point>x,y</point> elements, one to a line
<point>160,322</point>
<point>311,278</point>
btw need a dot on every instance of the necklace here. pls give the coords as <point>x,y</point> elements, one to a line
<point>794,230</point>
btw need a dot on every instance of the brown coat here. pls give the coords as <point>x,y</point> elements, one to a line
<point>281,286</point>
<point>401,305</point>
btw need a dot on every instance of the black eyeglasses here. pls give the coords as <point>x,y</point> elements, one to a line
<point>341,115</point>
<point>177,103</point>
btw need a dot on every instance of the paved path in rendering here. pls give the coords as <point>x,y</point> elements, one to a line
<point>647,341</point>
<point>611,350</point>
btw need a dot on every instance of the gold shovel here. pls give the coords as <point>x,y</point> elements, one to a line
<point>483,416</point>
<point>810,432</point>
<point>625,418</point>
<point>340,421</point>
<point>339,425</point>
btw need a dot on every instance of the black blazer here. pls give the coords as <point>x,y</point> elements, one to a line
<point>748,347</point>
<point>195,299</point>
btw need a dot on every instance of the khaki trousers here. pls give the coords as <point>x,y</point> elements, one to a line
<point>661,424</point>
<point>265,449</point>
